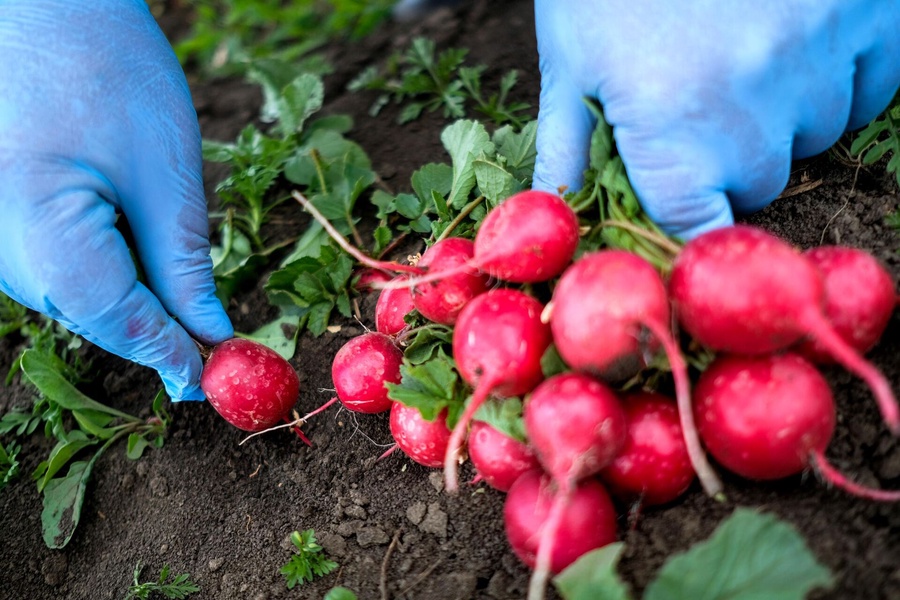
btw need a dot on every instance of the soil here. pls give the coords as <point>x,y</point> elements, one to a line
<point>223,512</point>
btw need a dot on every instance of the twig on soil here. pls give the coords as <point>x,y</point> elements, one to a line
<point>841,209</point>
<point>800,188</point>
<point>425,574</point>
<point>382,585</point>
<point>256,472</point>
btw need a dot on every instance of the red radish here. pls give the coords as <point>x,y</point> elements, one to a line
<point>653,465</point>
<point>499,459</point>
<point>740,289</point>
<point>588,522</point>
<point>249,384</point>
<point>392,306</point>
<point>366,278</point>
<point>441,301</point>
<point>425,442</point>
<point>601,312</point>
<point>576,426</point>
<point>530,237</point>
<point>362,367</point>
<point>859,298</point>
<point>498,343</point>
<point>769,417</point>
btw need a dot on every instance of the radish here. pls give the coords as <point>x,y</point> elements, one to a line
<point>499,459</point>
<point>425,442</point>
<point>576,426</point>
<point>589,520</point>
<point>249,384</point>
<point>361,368</point>
<point>392,306</point>
<point>739,289</point>
<point>653,465</point>
<point>859,298</point>
<point>498,343</point>
<point>530,237</point>
<point>601,312</point>
<point>441,301</point>
<point>769,417</point>
<point>364,279</point>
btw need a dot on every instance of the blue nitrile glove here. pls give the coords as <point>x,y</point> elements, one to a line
<point>709,100</point>
<point>95,119</point>
<point>410,10</point>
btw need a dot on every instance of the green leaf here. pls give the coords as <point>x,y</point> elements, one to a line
<point>280,335</point>
<point>433,177</point>
<point>593,576</point>
<point>94,423</point>
<point>518,149</point>
<point>494,181</point>
<point>308,561</point>
<point>552,362</point>
<point>427,342</point>
<point>505,416</point>
<point>465,140</point>
<point>430,387</point>
<point>340,593</point>
<point>61,454</point>
<point>63,498</point>
<point>751,556</point>
<point>39,371</point>
<point>9,465</point>
<point>136,446</point>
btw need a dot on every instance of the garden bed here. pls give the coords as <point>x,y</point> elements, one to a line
<point>223,512</point>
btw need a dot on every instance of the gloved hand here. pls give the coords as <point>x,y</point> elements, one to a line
<point>709,101</point>
<point>95,119</point>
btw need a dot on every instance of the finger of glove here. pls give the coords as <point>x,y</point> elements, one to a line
<point>680,185</point>
<point>874,85</point>
<point>564,129</point>
<point>162,198</point>
<point>84,277</point>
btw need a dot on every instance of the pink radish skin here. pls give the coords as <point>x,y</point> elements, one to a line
<point>576,426</point>
<point>588,521</point>
<point>859,298</point>
<point>498,343</point>
<point>441,301</point>
<point>602,309</point>
<point>367,278</point>
<point>742,290</point>
<point>249,384</point>
<point>361,368</point>
<point>424,442</point>
<point>392,306</point>
<point>653,465</point>
<point>770,417</point>
<point>499,459</point>
<point>530,237</point>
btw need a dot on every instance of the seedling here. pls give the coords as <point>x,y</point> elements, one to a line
<point>308,561</point>
<point>179,588</point>
<point>881,138</point>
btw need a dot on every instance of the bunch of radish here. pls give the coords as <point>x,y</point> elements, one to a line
<point>517,292</point>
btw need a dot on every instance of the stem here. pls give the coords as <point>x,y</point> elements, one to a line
<point>705,473</point>
<point>411,282</point>
<point>816,324</point>
<point>293,423</point>
<point>347,247</point>
<point>454,444</point>
<point>543,562</point>
<point>465,212</point>
<point>838,479</point>
<point>660,240</point>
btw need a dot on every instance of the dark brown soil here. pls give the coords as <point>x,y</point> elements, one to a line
<point>223,512</point>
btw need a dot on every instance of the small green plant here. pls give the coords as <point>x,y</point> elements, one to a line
<point>179,588</point>
<point>308,561</point>
<point>78,423</point>
<point>229,35</point>
<point>881,138</point>
<point>9,465</point>
<point>427,81</point>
